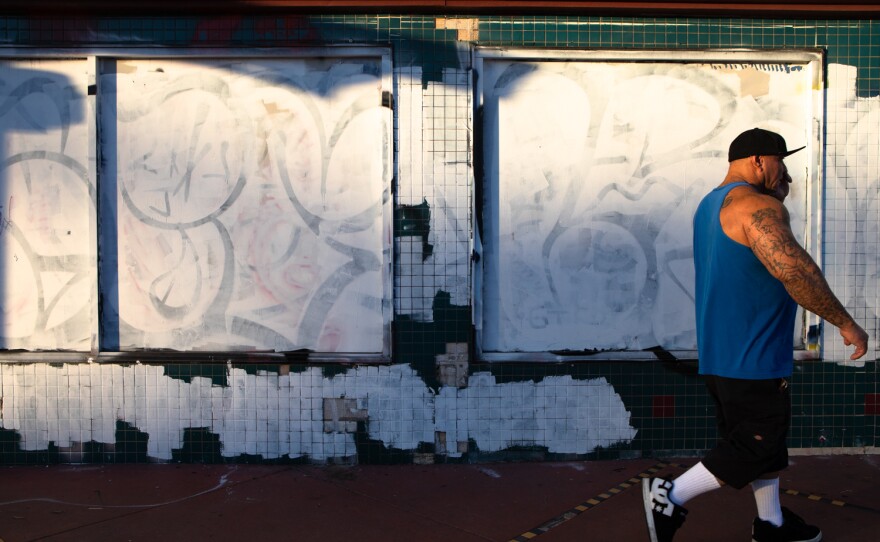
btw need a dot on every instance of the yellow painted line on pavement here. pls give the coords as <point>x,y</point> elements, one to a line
<point>590,503</point>
<point>647,473</point>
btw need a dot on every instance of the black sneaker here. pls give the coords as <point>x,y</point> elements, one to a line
<point>793,529</point>
<point>663,517</point>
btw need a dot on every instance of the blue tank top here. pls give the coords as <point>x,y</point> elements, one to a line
<point>745,317</point>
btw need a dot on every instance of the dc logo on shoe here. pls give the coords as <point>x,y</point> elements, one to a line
<point>660,497</point>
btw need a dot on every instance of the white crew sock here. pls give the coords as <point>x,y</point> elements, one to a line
<point>695,481</point>
<point>767,499</point>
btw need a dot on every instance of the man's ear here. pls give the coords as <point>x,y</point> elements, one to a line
<point>757,161</point>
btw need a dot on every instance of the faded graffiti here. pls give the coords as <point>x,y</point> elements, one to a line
<point>47,207</point>
<point>593,171</point>
<point>250,204</point>
<point>297,415</point>
<point>244,205</point>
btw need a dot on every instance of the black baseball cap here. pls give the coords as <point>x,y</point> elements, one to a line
<point>758,142</point>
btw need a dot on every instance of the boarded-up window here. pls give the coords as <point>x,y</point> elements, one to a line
<point>48,265</point>
<point>243,204</point>
<point>593,164</point>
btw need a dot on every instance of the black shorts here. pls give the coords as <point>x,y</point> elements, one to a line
<point>753,421</point>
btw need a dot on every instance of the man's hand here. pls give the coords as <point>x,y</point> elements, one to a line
<point>855,335</point>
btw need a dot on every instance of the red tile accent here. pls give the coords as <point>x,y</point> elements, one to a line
<point>872,404</point>
<point>663,406</point>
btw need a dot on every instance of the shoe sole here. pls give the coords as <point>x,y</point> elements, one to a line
<point>816,539</point>
<point>649,509</point>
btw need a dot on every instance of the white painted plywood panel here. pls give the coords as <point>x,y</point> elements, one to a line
<point>48,266</point>
<point>251,200</point>
<point>592,172</point>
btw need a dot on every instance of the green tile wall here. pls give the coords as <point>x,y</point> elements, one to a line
<point>829,398</point>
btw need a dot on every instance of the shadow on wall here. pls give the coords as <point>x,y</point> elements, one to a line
<point>46,241</point>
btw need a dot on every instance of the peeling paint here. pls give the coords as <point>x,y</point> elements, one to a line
<point>415,221</point>
<point>273,416</point>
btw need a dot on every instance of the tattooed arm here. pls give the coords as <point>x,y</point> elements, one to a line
<point>768,232</point>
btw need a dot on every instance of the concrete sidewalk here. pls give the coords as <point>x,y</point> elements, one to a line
<point>550,502</point>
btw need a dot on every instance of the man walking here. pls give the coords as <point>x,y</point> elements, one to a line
<point>751,273</point>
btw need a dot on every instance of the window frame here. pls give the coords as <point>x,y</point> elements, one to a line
<point>810,347</point>
<point>94,58</point>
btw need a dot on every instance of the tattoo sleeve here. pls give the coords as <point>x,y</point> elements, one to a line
<point>774,244</point>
